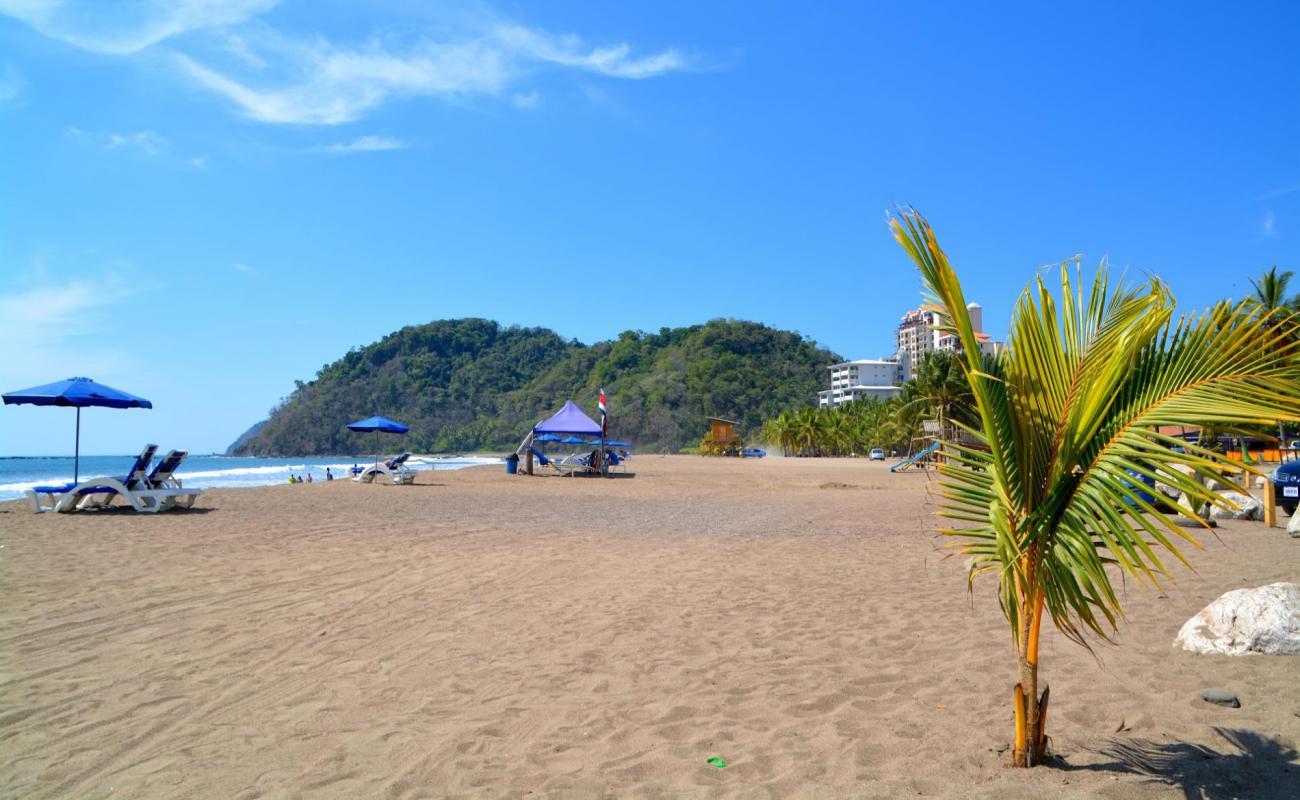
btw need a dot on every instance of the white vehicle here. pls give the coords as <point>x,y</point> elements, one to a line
<point>877,454</point>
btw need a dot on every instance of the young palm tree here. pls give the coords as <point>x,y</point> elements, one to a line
<point>1072,404</point>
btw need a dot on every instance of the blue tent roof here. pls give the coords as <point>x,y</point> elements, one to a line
<point>569,419</point>
<point>76,392</point>
<point>378,424</point>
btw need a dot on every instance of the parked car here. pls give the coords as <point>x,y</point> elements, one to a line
<point>754,452</point>
<point>877,454</point>
<point>1286,485</point>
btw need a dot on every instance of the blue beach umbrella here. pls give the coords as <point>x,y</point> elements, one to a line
<point>378,425</point>
<point>78,393</point>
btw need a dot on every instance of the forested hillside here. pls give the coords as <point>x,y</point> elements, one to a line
<point>472,384</point>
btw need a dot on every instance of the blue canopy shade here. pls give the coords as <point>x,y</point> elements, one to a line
<point>378,425</point>
<point>569,419</point>
<point>76,392</point>
<point>618,444</point>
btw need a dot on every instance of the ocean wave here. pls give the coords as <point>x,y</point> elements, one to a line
<point>259,475</point>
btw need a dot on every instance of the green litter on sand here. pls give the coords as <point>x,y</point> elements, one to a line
<point>720,763</point>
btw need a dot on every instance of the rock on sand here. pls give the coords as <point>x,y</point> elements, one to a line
<point>1264,620</point>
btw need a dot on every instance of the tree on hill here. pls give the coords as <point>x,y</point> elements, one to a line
<point>471,384</point>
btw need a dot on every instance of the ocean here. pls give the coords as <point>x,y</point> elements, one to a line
<point>18,474</point>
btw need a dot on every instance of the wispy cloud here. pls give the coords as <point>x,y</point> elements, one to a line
<point>528,100</point>
<point>1268,226</point>
<point>12,83</point>
<point>54,322</point>
<point>124,28</point>
<point>364,144</point>
<point>277,78</point>
<point>324,84</point>
<point>244,268</point>
<point>1281,191</point>
<point>143,143</point>
<point>148,143</point>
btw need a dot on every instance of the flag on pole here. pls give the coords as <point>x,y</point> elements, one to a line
<point>604,413</point>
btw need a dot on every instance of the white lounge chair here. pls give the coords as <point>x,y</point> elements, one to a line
<point>100,493</point>
<point>162,477</point>
<point>394,469</point>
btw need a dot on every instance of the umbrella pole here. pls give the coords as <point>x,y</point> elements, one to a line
<point>76,450</point>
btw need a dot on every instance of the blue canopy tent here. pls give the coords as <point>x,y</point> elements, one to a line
<point>78,393</point>
<point>567,426</point>
<point>377,425</point>
<point>569,419</point>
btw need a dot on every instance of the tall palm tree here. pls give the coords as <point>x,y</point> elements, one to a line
<point>807,434</point>
<point>939,387</point>
<point>1270,290</point>
<point>1270,297</point>
<point>1072,404</point>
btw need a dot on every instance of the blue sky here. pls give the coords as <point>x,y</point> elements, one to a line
<point>202,200</point>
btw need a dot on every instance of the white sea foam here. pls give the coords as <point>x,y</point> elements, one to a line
<point>259,475</point>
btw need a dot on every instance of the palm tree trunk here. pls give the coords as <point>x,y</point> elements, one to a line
<point>1031,709</point>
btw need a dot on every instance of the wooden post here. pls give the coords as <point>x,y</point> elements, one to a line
<point>528,461</point>
<point>1270,504</point>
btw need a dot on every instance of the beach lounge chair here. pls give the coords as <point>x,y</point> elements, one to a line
<point>161,477</point>
<point>96,493</point>
<point>395,470</point>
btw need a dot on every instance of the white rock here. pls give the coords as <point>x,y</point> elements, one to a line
<point>1244,621</point>
<point>1186,502</point>
<point>1259,481</point>
<point>1293,527</point>
<point>1250,508</point>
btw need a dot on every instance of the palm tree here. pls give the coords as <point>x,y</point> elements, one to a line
<point>1270,297</point>
<point>1071,404</point>
<point>1270,290</point>
<point>939,387</point>
<point>807,434</point>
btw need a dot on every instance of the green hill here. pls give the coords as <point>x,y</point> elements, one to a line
<point>471,384</point>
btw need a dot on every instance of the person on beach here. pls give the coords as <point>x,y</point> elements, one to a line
<point>291,479</point>
<point>329,476</point>
<point>309,478</point>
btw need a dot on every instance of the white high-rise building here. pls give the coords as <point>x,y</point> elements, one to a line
<point>865,377</point>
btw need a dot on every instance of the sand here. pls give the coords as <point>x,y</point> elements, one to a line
<point>478,635</point>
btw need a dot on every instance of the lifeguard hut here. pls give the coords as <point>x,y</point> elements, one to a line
<point>722,439</point>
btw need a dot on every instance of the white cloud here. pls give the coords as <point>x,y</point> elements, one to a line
<point>1281,191</point>
<point>526,99</point>
<point>128,27</point>
<point>1268,227</point>
<point>310,80</point>
<point>570,51</point>
<point>49,323</point>
<point>12,83</point>
<point>146,142</point>
<point>330,85</point>
<point>364,144</point>
<point>244,268</point>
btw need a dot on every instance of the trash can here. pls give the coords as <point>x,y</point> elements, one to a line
<point>512,464</point>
